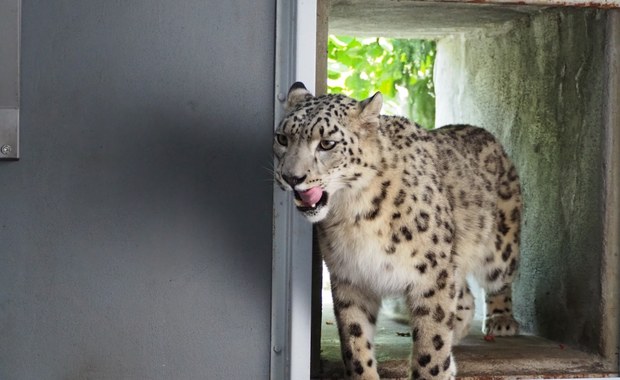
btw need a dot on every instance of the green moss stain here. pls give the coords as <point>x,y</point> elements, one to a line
<point>538,87</point>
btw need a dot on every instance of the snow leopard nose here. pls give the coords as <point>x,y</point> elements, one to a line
<point>293,180</point>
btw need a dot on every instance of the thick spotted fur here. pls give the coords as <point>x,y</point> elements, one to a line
<point>403,211</point>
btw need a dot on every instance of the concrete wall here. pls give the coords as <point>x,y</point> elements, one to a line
<point>537,83</point>
<point>136,228</point>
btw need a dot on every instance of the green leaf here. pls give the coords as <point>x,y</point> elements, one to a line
<point>375,51</point>
<point>333,74</point>
<point>387,88</point>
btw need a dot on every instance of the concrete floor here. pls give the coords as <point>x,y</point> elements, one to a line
<point>505,358</point>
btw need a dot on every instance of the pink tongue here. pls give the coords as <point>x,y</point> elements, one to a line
<point>311,196</point>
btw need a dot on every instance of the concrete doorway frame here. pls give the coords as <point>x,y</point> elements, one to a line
<point>292,236</point>
<point>296,59</point>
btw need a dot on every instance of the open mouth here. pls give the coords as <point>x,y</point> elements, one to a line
<point>311,199</point>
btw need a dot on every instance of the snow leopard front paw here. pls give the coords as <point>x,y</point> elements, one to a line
<point>501,325</point>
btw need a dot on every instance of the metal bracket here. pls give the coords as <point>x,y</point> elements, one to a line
<point>10,17</point>
<point>9,134</point>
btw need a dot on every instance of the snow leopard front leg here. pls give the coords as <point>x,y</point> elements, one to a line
<point>356,316</point>
<point>433,318</point>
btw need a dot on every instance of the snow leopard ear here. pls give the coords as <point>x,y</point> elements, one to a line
<point>370,109</point>
<point>297,93</point>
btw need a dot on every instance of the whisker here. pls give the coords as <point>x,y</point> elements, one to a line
<point>270,170</point>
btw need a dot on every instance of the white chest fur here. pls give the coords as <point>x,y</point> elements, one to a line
<point>357,253</point>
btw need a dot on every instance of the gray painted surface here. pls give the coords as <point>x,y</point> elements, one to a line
<point>9,53</point>
<point>136,229</point>
<point>538,86</point>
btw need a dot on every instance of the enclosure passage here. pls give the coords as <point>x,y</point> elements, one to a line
<point>534,77</point>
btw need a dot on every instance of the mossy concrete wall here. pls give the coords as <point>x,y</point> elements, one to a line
<point>537,83</point>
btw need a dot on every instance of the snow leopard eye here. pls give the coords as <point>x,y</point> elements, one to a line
<point>327,144</point>
<point>281,139</point>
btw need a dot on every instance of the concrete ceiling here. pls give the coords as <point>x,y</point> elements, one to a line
<point>419,19</point>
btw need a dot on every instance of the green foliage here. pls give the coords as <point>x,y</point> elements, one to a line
<point>401,69</point>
